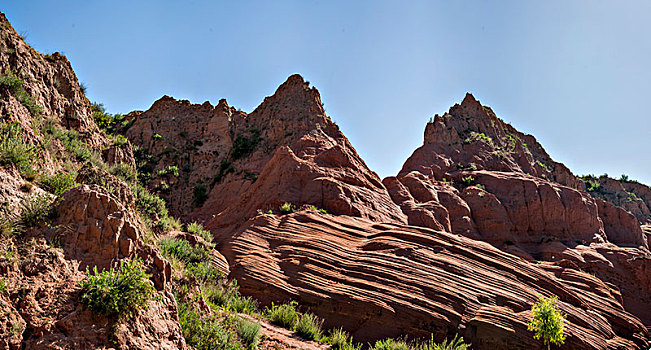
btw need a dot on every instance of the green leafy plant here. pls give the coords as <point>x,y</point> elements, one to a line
<point>59,183</point>
<point>3,285</point>
<point>14,150</point>
<point>204,333</point>
<point>455,343</point>
<point>284,315</point>
<point>34,209</point>
<point>287,208</point>
<point>341,340</point>
<point>10,226</point>
<point>243,146</point>
<point>468,181</point>
<point>547,321</point>
<point>390,344</point>
<point>117,292</point>
<point>12,83</point>
<point>309,327</point>
<point>197,229</point>
<point>249,332</point>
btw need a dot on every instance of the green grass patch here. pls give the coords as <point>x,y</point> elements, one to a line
<point>309,327</point>
<point>249,333</point>
<point>284,315</point>
<point>59,183</point>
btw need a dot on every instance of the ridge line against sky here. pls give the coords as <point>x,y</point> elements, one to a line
<point>574,76</point>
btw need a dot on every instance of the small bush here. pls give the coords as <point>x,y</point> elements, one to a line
<point>124,171</point>
<point>249,332</point>
<point>309,327</point>
<point>14,150</point>
<point>204,333</point>
<point>390,344</point>
<point>284,315</point>
<point>3,285</point>
<point>338,338</point>
<point>204,271</point>
<point>171,169</point>
<point>59,183</point>
<point>10,226</point>
<point>197,229</point>
<point>200,194</point>
<point>243,146</point>
<point>227,295</point>
<point>148,203</point>
<point>287,208</point>
<point>117,292</point>
<point>183,251</point>
<point>455,343</point>
<point>467,181</point>
<point>15,85</point>
<point>34,209</point>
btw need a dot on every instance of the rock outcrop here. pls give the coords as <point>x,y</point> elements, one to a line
<point>286,150</point>
<point>381,280</point>
<point>479,177</point>
<point>92,229</point>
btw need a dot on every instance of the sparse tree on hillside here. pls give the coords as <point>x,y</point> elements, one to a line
<point>548,321</point>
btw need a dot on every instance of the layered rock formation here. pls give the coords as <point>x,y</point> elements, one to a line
<point>477,224</point>
<point>475,176</point>
<point>478,177</point>
<point>381,280</point>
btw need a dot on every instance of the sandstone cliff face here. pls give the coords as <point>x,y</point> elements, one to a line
<point>382,280</point>
<point>491,186</point>
<point>286,150</point>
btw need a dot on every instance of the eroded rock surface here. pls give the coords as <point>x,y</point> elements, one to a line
<point>381,280</point>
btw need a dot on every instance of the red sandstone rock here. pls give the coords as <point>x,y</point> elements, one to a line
<point>381,280</point>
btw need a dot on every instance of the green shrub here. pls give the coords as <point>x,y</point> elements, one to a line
<point>147,203</point>
<point>227,295</point>
<point>10,226</point>
<point>168,223</point>
<point>124,171</point>
<point>197,229</point>
<point>547,321</point>
<point>455,343</point>
<point>592,185</point>
<point>390,344</point>
<point>243,146</point>
<point>59,183</point>
<point>287,208</point>
<point>12,83</point>
<point>34,209</point>
<point>183,251</point>
<point>204,333</point>
<point>171,169</point>
<point>249,332</point>
<point>13,150</point>
<point>341,340</point>
<point>284,315</point>
<point>309,327</point>
<point>3,285</point>
<point>200,194</point>
<point>468,181</point>
<point>117,292</point>
<point>204,271</point>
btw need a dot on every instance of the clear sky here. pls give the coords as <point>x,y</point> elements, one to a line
<point>575,74</point>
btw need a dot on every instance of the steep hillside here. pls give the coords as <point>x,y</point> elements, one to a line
<point>476,226</point>
<point>478,177</point>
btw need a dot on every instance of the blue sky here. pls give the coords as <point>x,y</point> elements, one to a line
<point>575,74</point>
